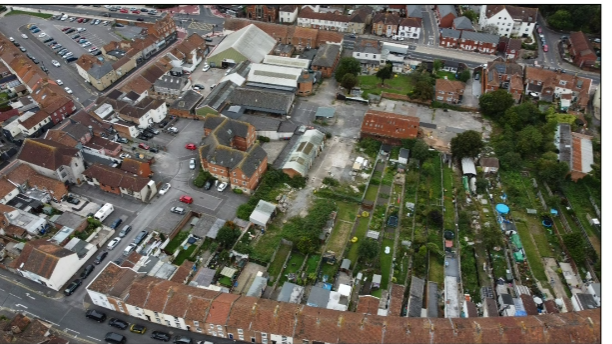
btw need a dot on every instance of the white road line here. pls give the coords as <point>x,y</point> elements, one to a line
<point>20,305</point>
<point>94,338</point>
<point>67,329</point>
<point>31,297</point>
<point>15,296</point>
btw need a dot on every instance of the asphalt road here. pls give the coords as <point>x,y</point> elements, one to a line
<point>70,318</point>
<point>430,29</point>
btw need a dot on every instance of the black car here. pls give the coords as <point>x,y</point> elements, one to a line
<point>159,335</point>
<point>144,10</point>
<point>35,60</point>
<point>208,185</point>
<point>118,323</point>
<point>116,223</point>
<point>16,43</point>
<point>70,31</point>
<point>73,200</point>
<point>76,36</point>
<point>87,271</point>
<point>100,258</point>
<point>142,137</point>
<point>95,315</point>
<point>72,287</point>
<point>199,86</point>
<point>71,59</point>
<point>29,56</point>
<point>140,19</point>
<point>106,15</point>
<point>153,150</point>
<point>140,237</point>
<point>44,69</point>
<point>163,124</point>
<point>148,135</point>
<point>119,25</point>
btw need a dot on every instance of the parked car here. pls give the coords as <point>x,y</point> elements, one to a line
<point>95,315</point>
<point>192,164</point>
<point>208,185</point>
<point>221,187</point>
<point>122,140</point>
<point>22,49</point>
<point>114,338</point>
<point>199,87</point>
<point>118,323</point>
<point>158,335</point>
<point>545,48</point>
<point>100,258</point>
<point>44,69</point>
<point>126,229</point>
<point>136,328</point>
<point>124,155</point>
<point>70,199</point>
<point>68,90</point>
<point>131,247</point>
<point>86,44</point>
<point>191,146</point>
<point>72,287</point>
<point>81,29</point>
<point>164,189</point>
<point>71,59</point>
<point>87,271</point>
<point>163,123</point>
<point>177,210</point>
<point>24,36</point>
<point>143,146</point>
<point>206,67</point>
<point>153,150</point>
<point>186,199</point>
<point>140,237</point>
<point>173,130</point>
<point>182,340</point>
<point>113,243</point>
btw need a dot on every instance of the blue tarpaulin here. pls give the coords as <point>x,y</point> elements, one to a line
<point>502,209</point>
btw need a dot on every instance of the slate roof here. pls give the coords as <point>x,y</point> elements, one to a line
<point>326,56</point>
<point>446,10</point>
<point>479,37</point>
<point>114,177</point>
<point>451,33</point>
<point>98,71</point>
<point>259,98</point>
<point>250,41</point>
<point>40,257</point>
<point>414,11</point>
<point>46,153</point>
<point>219,96</point>
<point>187,101</point>
<point>462,23</point>
<point>369,46</point>
<point>171,82</point>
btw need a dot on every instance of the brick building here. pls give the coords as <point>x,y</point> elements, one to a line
<point>505,75</point>
<point>580,50</point>
<point>389,127</point>
<point>445,14</point>
<point>449,38</point>
<point>326,59</point>
<point>449,91</point>
<point>265,13</point>
<point>385,24</point>
<point>120,182</point>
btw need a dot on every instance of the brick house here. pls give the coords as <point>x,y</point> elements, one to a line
<point>23,177</point>
<point>326,59</point>
<point>231,154</point>
<point>265,13</point>
<point>505,75</point>
<point>137,167</point>
<point>449,91</point>
<point>361,17</point>
<point>449,38</point>
<point>389,127</point>
<point>325,21</point>
<point>510,47</point>
<point>445,14</point>
<point>119,182</point>
<point>580,50</point>
<point>550,85</point>
<point>483,43</point>
<point>53,160</point>
<point>385,24</point>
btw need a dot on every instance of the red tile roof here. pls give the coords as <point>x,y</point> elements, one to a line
<point>220,308</point>
<point>368,304</point>
<point>114,177</point>
<point>449,85</point>
<point>46,153</point>
<point>388,124</point>
<point>308,13</point>
<point>40,257</point>
<point>580,45</point>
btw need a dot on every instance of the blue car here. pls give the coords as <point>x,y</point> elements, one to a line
<point>33,28</point>
<point>36,31</point>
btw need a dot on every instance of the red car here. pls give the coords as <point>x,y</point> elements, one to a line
<point>143,146</point>
<point>136,12</point>
<point>124,10</point>
<point>186,199</point>
<point>191,146</point>
<point>545,48</point>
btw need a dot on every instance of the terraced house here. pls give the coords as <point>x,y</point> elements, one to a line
<point>53,160</point>
<point>230,153</point>
<point>121,182</point>
<point>265,321</point>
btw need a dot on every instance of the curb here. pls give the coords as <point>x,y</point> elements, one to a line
<point>14,281</point>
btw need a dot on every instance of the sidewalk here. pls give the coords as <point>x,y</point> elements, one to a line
<point>31,286</point>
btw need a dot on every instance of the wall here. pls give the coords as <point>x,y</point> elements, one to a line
<point>65,268</point>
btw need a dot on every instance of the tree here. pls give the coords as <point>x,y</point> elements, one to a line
<point>349,81</point>
<point>434,248</point>
<point>420,150</point>
<point>422,91</point>
<point>437,65</point>
<point>368,249</point>
<point>529,141</point>
<point>466,145</point>
<point>306,245</point>
<point>491,236</point>
<point>510,161</point>
<point>490,29</point>
<point>465,75</point>
<point>347,65</point>
<point>471,15</point>
<point>576,246</point>
<point>436,217</point>
<point>385,72</point>
<point>227,235</point>
<point>520,116</point>
<point>561,20</point>
<point>481,185</point>
<point>551,170</point>
<point>494,104</point>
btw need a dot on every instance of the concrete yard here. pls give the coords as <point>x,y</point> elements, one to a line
<point>247,276</point>
<point>274,149</point>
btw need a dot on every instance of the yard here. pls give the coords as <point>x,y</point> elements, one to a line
<point>176,242</point>
<point>184,254</point>
<point>535,261</point>
<point>362,229</point>
<point>448,75</point>
<point>277,265</point>
<point>266,244</point>
<point>339,237</point>
<point>35,14</point>
<point>293,266</point>
<point>311,263</point>
<point>386,260</point>
<point>399,84</point>
<point>371,193</point>
<point>347,211</point>
<point>449,214</point>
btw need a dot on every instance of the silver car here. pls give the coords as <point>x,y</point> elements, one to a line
<point>192,164</point>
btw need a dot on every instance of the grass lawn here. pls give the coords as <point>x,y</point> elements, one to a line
<point>449,75</point>
<point>402,266</point>
<point>371,193</point>
<point>265,246</point>
<point>347,211</point>
<point>449,214</point>
<point>277,265</point>
<point>535,261</point>
<point>3,97</point>
<point>226,281</point>
<point>362,229</point>
<point>539,236</point>
<point>176,242</point>
<point>34,14</point>
<point>329,270</point>
<point>578,195</point>
<point>436,178</point>
<point>385,262</point>
<point>311,264</point>
<point>436,269</point>
<point>293,266</point>
<point>184,254</point>
<point>339,237</point>
<point>377,293</point>
<point>399,84</point>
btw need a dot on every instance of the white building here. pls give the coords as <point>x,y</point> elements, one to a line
<point>324,21</point>
<point>410,28</point>
<point>509,20</point>
<point>287,13</point>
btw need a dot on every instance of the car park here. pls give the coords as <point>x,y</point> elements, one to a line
<point>136,328</point>
<point>164,189</point>
<point>76,36</point>
<point>68,90</point>
<point>95,315</point>
<point>87,271</point>
<point>159,335</point>
<point>191,146</point>
<point>113,243</point>
<point>100,257</point>
<point>186,199</point>
<point>192,164</point>
<point>140,237</point>
<point>118,323</point>
<point>177,210</point>
<point>81,29</point>
<point>72,287</point>
<point>71,30</point>
<point>221,187</point>
<point>126,229</point>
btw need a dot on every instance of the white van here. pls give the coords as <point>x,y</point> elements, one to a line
<point>103,213</point>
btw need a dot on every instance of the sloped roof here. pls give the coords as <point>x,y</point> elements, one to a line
<point>446,85</point>
<point>414,11</point>
<point>114,177</point>
<point>526,14</point>
<point>386,19</point>
<point>326,55</point>
<point>46,153</point>
<point>260,98</point>
<point>304,152</point>
<point>446,10</point>
<point>40,257</point>
<point>462,23</point>
<point>480,37</point>
<point>451,33</point>
<point>580,44</point>
<point>251,42</point>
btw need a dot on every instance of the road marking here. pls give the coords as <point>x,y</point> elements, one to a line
<point>15,296</point>
<point>31,297</point>
<point>67,329</point>
<point>94,338</point>
<point>20,305</point>
<point>2,289</point>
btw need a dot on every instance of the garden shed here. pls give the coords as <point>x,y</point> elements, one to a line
<point>228,272</point>
<point>325,113</point>
<point>376,279</point>
<point>258,286</point>
<point>373,234</point>
<point>262,213</point>
<point>468,167</point>
<point>346,265</point>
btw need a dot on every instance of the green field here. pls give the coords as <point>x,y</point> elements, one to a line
<point>176,242</point>
<point>371,193</point>
<point>399,84</point>
<point>184,254</point>
<point>535,261</point>
<point>34,14</point>
<point>386,261</point>
<point>362,229</point>
<point>347,211</point>
<point>266,244</point>
<point>339,237</point>
<point>293,266</point>
<point>277,265</point>
<point>311,263</point>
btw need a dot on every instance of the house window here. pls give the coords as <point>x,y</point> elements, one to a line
<point>243,183</point>
<point>214,169</point>
<point>196,323</point>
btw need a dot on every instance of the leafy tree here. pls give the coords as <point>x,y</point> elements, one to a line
<point>529,141</point>
<point>436,218</point>
<point>494,104</point>
<point>471,15</point>
<point>385,72</point>
<point>349,81</point>
<point>437,65</point>
<point>491,237</point>
<point>576,247</point>
<point>422,91</point>
<point>228,234</point>
<point>561,20</point>
<point>306,245</point>
<point>347,65</point>
<point>466,145</point>
<point>368,249</point>
<point>551,171</point>
<point>434,249</point>
<point>511,161</point>
<point>420,150</point>
<point>465,75</point>
<point>481,185</point>
<point>520,116</point>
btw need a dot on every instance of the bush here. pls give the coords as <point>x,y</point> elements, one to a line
<point>238,191</point>
<point>263,138</point>
<point>330,181</point>
<point>374,181</point>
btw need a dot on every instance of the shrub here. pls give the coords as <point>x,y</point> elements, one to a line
<point>330,181</point>
<point>238,191</point>
<point>263,138</point>
<point>374,181</point>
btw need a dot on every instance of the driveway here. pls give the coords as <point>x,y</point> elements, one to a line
<point>471,93</point>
